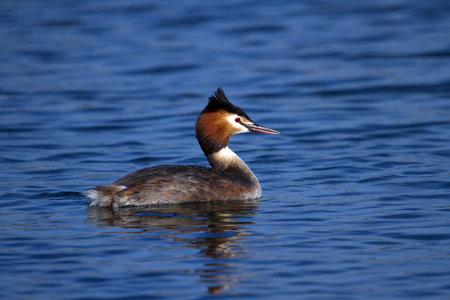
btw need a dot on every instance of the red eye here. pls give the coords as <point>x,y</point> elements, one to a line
<point>237,120</point>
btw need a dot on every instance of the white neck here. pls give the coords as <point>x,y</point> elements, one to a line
<point>228,161</point>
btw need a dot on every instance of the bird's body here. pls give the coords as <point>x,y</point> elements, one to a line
<point>228,178</point>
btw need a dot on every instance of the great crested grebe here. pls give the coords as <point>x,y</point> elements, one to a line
<point>228,178</point>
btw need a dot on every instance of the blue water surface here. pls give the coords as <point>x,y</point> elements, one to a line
<point>356,190</point>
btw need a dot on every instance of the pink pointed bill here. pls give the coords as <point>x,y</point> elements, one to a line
<point>261,129</point>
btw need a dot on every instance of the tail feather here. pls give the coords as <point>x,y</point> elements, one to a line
<point>103,195</point>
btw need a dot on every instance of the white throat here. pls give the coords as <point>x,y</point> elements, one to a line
<point>227,156</point>
<point>228,161</point>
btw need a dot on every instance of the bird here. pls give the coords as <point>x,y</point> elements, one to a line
<point>227,178</point>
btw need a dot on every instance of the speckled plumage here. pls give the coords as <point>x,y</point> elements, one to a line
<point>161,184</point>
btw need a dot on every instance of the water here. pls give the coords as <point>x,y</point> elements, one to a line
<point>356,189</point>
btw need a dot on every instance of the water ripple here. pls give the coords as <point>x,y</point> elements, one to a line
<point>356,188</point>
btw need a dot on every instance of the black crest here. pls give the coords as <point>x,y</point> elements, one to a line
<point>218,100</point>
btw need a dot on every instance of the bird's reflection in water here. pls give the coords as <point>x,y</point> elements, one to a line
<point>216,229</point>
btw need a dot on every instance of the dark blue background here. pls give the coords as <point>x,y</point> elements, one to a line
<point>356,189</point>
